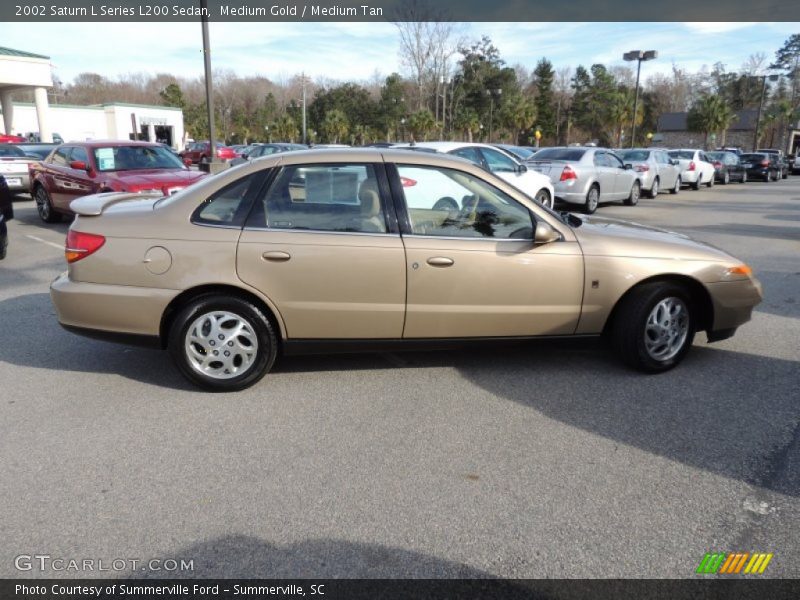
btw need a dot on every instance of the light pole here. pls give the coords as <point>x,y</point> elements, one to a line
<point>305,137</point>
<point>212,134</point>
<point>761,107</point>
<point>491,94</point>
<point>639,56</point>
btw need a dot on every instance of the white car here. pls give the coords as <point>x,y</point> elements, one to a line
<point>696,168</point>
<point>502,164</point>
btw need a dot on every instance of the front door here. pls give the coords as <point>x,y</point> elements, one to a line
<point>319,245</point>
<point>473,269</point>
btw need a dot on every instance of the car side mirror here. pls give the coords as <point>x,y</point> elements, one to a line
<point>627,166</point>
<point>187,162</point>
<point>673,162</point>
<point>545,234</point>
<point>78,165</point>
<point>522,169</point>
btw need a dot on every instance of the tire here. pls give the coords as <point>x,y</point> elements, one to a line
<point>208,321</point>
<point>744,177</point>
<point>654,327</point>
<point>544,198</point>
<point>767,177</point>
<point>633,197</point>
<point>696,184</point>
<point>677,187</point>
<point>710,182</point>
<point>592,199</point>
<point>726,179</point>
<point>203,160</point>
<point>44,206</point>
<point>654,189</point>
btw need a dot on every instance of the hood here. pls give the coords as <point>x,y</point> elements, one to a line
<point>156,178</point>
<point>601,236</point>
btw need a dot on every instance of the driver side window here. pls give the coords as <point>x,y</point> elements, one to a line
<point>445,202</point>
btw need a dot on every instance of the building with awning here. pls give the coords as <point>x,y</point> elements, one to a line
<point>25,71</point>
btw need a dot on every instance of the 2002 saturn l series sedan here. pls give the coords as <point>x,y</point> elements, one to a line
<point>331,249</point>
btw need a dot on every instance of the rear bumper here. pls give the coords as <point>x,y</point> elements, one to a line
<point>23,183</point>
<point>110,311</point>
<point>733,303</point>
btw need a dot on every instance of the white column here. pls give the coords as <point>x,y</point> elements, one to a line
<point>43,114</point>
<point>8,111</point>
<point>151,133</point>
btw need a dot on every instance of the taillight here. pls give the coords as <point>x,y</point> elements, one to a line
<point>641,168</point>
<point>717,164</point>
<point>408,182</point>
<point>80,245</point>
<point>764,163</point>
<point>691,166</point>
<point>567,174</point>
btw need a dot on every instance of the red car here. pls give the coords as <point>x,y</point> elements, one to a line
<point>81,168</point>
<point>199,152</point>
<point>11,139</point>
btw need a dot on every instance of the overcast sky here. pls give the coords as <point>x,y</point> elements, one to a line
<point>355,51</point>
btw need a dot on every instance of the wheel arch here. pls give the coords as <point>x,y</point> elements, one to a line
<point>698,294</point>
<point>186,296</point>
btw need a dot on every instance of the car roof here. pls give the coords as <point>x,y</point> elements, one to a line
<point>444,146</point>
<point>97,143</point>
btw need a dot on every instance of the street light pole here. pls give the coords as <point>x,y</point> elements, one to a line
<point>761,107</point>
<point>212,134</point>
<point>305,137</point>
<point>639,56</point>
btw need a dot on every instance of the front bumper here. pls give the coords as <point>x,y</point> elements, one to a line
<point>733,303</point>
<point>109,311</point>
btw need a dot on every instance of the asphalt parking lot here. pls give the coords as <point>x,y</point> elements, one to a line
<point>538,460</point>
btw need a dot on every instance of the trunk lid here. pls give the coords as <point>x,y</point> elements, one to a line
<point>96,204</point>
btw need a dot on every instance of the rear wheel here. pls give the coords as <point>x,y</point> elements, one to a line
<point>696,184</point>
<point>633,197</point>
<point>544,198</point>
<point>744,177</point>
<point>677,187</point>
<point>222,343</point>
<point>654,190</point>
<point>710,182</point>
<point>726,178</point>
<point>654,328</point>
<point>44,206</point>
<point>592,200</point>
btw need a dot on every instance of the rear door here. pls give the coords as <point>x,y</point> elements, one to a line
<point>606,176</point>
<point>322,246</point>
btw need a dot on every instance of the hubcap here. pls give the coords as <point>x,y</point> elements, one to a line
<point>221,345</point>
<point>654,191</point>
<point>667,329</point>
<point>41,203</point>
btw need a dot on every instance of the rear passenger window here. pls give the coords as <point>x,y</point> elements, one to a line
<point>341,197</point>
<point>61,156</point>
<point>227,207</point>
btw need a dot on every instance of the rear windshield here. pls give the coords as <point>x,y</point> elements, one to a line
<point>635,155</point>
<point>746,157</point>
<point>570,154</point>
<point>686,154</point>
<point>716,155</point>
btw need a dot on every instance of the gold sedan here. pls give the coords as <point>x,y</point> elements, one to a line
<point>319,250</point>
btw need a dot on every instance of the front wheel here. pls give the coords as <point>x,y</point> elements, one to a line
<point>744,177</point>
<point>222,343</point>
<point>696,185</point>
<point>44,206</point>
<point>654,328</point>
<point>633,197</point>
<point>592,200</point>
<point>544,198</point>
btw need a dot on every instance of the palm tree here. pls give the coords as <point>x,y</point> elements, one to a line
<point>710,114</point>
<point>286,128</point>
<point>468,122</point>
<point>335,125</point>
<point>421,124</point>
<point>517,114</point>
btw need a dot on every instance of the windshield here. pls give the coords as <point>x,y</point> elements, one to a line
<point>135,158</point>
<point>635,155</point>
<point>6,150</point>
<point>684,154</point>
<point>570,154</point>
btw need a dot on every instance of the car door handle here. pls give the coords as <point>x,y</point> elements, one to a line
<point>276,256</point>
<point>440,261</point>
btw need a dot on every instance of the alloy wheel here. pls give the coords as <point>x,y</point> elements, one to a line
<point>666,329</point>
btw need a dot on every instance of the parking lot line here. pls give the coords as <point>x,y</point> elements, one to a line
<point>38,239</point>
